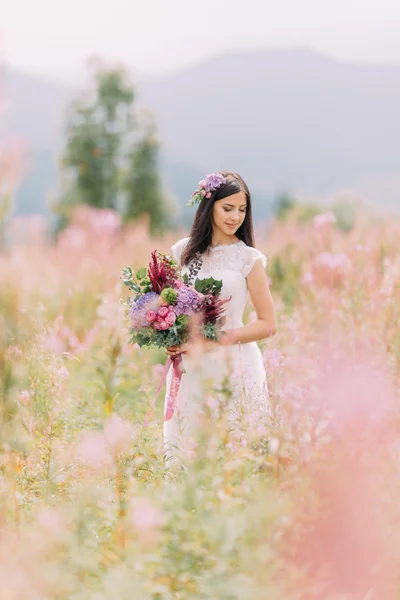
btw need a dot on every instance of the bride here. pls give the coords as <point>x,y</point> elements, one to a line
<point>221,245</point>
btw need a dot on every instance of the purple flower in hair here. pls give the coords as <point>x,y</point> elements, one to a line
<point>212,182</point>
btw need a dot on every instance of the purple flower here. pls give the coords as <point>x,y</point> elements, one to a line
<point>211,183</point>
<point>214,181</point>
<point>187,302</point>
<point>140,308</point>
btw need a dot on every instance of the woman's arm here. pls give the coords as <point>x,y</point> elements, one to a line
<point>265,325</point>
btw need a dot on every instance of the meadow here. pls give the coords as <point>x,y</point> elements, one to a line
<point>304,508</point>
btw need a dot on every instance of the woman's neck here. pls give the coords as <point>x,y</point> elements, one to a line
<point>219,240</point>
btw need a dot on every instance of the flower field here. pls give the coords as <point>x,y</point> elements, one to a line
<point>305,507</point>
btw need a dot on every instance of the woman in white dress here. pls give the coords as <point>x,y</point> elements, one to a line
<point>221,245</point>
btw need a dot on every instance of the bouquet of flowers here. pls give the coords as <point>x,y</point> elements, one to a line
<point>164,303</point>
<point>161,311</point>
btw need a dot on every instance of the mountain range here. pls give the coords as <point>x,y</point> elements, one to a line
<point>288,120</point>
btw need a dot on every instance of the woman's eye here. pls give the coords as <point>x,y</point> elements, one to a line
<point>227,209</point>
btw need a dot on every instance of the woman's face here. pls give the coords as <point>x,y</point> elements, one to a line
<point>229,213</point>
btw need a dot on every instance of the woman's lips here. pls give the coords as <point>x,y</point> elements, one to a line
<point>231,226</point>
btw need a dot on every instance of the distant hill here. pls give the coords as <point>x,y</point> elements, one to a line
<point>288,120</point>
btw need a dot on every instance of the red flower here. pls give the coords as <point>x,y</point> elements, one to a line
<point>161,273</point>
<point>214,309</point>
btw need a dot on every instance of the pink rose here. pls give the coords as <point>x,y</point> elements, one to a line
<point>163,325</point>
<point>151,316</point>
<point>203,192</point>
<point>163,312</point>
<point>156,325</point>
<point>179,284</point>
<point>208,195</point>
<point>170,318</point>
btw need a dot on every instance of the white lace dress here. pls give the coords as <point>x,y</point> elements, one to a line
<point>241,365</point>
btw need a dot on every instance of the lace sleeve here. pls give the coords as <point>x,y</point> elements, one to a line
<point>252,255</point>
<point>177,249</point>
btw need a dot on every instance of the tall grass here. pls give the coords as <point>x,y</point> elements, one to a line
<point>304,508</point>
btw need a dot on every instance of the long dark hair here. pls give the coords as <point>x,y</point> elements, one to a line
<point>201,232</point>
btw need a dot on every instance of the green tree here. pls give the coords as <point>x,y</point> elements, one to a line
<point>103,142</point>
<point>144,194</point>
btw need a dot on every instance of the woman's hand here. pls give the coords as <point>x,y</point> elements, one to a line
<point>177,350</point>
<point>203,345</point>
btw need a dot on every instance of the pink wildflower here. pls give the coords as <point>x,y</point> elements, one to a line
<point>307,278</point>
<point>63,373</point>
<point>12,352</point>
<point>93,450</point>
<point>144,515</point>
<point>25,397</point>
<point>273,358</point>
<point>118,434</point>
<point>324,219</point>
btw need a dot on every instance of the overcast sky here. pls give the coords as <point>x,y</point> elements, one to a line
<point>55,36</point>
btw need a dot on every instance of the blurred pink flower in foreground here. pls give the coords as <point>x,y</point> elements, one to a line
<point>307,278</point>
<point>60,337</point>
<point>340,535</point>
<point>144,515</point>
<point>63,373</point>
<point>13,353</point>
<point>118,434</point>
<point>25,397</point>
<point>51,520</point>
<point>273,359</point>
<point>99,448</point>
<point>94,451</point>
<point>157,370</point>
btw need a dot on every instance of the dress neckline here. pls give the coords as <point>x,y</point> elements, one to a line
<point>226,245</point>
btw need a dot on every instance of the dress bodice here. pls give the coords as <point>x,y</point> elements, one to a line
<point>232,264</point>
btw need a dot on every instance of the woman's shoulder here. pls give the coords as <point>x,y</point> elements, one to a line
<point>178,248</point>
<point>250,256</point>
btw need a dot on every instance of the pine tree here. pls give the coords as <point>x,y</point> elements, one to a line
<point>107,163</point>
<point>144,193</point>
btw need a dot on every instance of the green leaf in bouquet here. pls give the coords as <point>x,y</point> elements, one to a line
<point>168,259</point>
<point>146,286</point>
<point>141,274</point>
<point>127,274</point>
<point>185,278</point>
<point>128,279</point>
<point>211,331</point>
<point>208,285</point>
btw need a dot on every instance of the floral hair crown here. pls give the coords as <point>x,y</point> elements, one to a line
<point>212,182</point>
